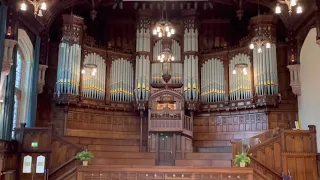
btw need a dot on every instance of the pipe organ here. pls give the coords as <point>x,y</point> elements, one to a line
<point>142,70</point>
<point>69,59</point>
<point>121,84</point>
<point>94,86</point>
<point>142,91</point>
<point>191,60</point>
<point>240,84</point>
<point>175,67</point>
<point>212,81</point>
<point>265,71</point>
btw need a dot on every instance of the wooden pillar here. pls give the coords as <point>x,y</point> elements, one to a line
<point>141,129</point>
<point>108,71</point>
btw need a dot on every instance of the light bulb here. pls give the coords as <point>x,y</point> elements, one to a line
<point>299,9</point>
<point>172,31</point>
<point>162,55</point>
<point>293,2</point>
<point>158,29</point>
<point>278,9</point>
<point>167,28</point>
<point>168,34</point>
<point>95,70</point>
<point>44,6</point>
<point>159,58</point>
<point>245,72</point>
<point>23,6</point>
<point>251,46</point>
<point>83,71</point>
<point>259,50</point>
<point>159,34</point>
<point>154,32</point>
<point>40,13</point>
<point>268,45</point>
<point>172,58</point>
<point>93,73</point>
<point>234,72</point>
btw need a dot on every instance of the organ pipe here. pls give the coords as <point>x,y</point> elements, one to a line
<point>68,77</point>
<point>176,67</point>
<point>212,82</point>
<point>240,84</point>
<point>94,86</point>
<point>265,71</point>
<point>142,69</point>
<point>191,77</point>
<point>121,85</point>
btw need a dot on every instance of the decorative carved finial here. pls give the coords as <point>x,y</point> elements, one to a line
<point>295,78</point>
<point>240,14</point>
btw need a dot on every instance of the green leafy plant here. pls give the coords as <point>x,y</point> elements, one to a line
<point>84,156</point>
<point>242,158</point>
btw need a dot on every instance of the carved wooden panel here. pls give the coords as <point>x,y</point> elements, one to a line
<point>230,123</point>
<point>102,122</point>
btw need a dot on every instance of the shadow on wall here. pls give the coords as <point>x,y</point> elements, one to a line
<point>309,100</point>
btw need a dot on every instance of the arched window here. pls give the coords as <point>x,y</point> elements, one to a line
<point>17,95</point>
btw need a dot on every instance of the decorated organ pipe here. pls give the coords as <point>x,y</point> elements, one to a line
<point>212,81</point>
<point>69,59</point>
<point>265,59</point>
<point>240,77</point>
<point>265,71</point>
<point>175,67</point>
<point>121,83</point>
<point>94,86</point>
<point>142,69</point>
<point>191,60</point>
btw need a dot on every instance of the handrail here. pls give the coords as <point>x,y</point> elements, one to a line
<point>61,167</point>
<point>261,174</point>
<point>264,142</point>
<point>266,167</point>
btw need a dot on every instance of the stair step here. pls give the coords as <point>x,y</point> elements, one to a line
<point>222,149</point>
<point>113,148</point>
<point>105,161</point>
<point>104,141</point>
<point>123,155</point>
<point>206,156</point>
<point>211,163</point>
<point>211,143</point>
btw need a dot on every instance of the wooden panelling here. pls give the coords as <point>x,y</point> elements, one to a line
<point>224,136</point>
<point>102,122</point>
<point>102,134</point>
<point>102,141</point>
<point>163,173</point>
<point>231,123</point>
<point>211,143</point>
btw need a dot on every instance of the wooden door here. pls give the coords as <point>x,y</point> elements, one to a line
<point>166,149</point>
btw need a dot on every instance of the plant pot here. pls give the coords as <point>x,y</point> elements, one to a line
<point>85,163</point>
<point>242,164</point>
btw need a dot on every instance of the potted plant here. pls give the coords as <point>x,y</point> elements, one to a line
<point>242,159</point>
<point>84,156</point>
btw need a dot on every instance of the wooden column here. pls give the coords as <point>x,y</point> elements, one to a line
<point>108,71</point>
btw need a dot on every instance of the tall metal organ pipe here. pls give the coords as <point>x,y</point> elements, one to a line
<point>68,77</point>
<point>212,81</point>
<point>265,71</point>
<point>142,69</point>
<point>176,68</point>
<point>191,77</point>
<point>240,84</point>
<point>121,84</point>
<point>94,86</point>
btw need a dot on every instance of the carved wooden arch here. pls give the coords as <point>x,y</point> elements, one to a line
<point>173,93</point>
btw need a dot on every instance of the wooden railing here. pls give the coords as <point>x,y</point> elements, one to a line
<point>282,151</point>
<point>64,170</point>
<point>263,170</point>
<point>187,126</point>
